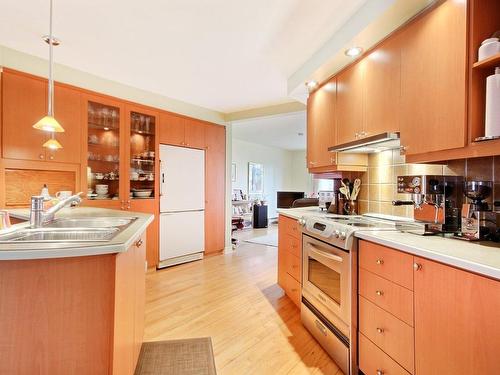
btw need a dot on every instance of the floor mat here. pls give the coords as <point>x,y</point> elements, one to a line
<point>270,239</point>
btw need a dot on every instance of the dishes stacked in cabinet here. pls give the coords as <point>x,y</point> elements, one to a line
<point>142,152</point>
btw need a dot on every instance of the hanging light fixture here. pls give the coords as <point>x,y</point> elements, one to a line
<point>49,123</point>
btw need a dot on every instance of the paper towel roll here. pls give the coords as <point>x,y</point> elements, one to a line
<point>492,120</point>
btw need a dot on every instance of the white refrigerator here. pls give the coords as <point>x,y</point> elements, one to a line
<point>182,205</point>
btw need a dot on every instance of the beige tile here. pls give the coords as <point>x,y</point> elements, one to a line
<point>400,170</point>
<point>386,208</point>
<point>399,211</point>
<point>380,159</point>
<point>385,175</point>
<point>387,192</point>
<point>454,168</point>
<point>364,192</point>
<point>374,207</point>
<point>373,175</point>
<point>430,169</point>
<point>397,158</point>
<point>374,192</point>
<point>362,207</point>
<point>480,169</point>
<point>364,178</point>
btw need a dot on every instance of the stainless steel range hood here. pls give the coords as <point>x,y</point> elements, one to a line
<point>373,143</point>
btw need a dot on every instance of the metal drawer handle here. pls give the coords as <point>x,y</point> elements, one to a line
<point>380,330</point>
<point>379,292</point>
<point>379,261</point>
<point>321,327</point>
<point>139,243</point>
<point>380,372</point>
<point>417,266</point>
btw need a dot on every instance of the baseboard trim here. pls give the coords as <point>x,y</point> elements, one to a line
<point>180,260</point>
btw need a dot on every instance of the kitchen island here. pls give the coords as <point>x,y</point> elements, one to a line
<point>73,307</point>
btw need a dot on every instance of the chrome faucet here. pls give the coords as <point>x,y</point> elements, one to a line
<point>39,217</point>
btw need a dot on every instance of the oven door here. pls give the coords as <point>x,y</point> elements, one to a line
<point>326,277</point>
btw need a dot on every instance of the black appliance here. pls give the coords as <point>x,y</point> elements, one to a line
<point>259,216</point>
<point>285,199</point>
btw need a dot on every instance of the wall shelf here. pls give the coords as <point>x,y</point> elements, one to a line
<point>490,62</point>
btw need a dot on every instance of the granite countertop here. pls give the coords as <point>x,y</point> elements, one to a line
<point>120,243</point>
<point>479,257</point>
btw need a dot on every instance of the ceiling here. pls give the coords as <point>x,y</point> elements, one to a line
<point>280,131</point>
<point>225,55</point>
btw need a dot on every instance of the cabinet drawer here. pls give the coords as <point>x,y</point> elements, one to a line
<point>373,361</point>
<point>390,296</point>
<point>293,268</point>
<point>388,263</point>
<point>293,290</point>
<point>293,245</point>
<point>291,226</point>
<point>390,334</point>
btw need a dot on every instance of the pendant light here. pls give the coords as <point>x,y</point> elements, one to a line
<point>49,123</point>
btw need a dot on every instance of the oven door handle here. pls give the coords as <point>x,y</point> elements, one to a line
<point>316,251</point>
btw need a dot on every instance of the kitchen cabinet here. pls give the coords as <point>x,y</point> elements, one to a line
<point>290,258</point>
<point>350,104</point>
<point>215,186</point>
<point>434,80</point>
<point>181,131</point>
<point>321,106</point>
<point>149,206</point>
<point>382,88</point>
<point>456,321</point>
<point>105,170</point>
<point>19,139</point>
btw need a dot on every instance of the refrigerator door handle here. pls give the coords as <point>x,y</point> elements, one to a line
<point>162,180</point>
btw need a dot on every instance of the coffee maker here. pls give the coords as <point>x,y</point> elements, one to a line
<point>478,221</point>
<point>436,200</point>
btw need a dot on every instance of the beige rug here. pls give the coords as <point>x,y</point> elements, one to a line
<point>177,357</point>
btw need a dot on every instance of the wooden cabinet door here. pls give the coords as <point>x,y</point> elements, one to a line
<point>24,103</point>
<point>67,107</point>
<point>172,129</point>
<point>350,103</point>
<point>150,206</point>
<point>382,95</point>
<point>456,321</point>
<point>140,293</point>
<point>282,242</point>
<point>321,125</point>
<point>194,133</point>
<point>215,187</point>
<point>433,80</point>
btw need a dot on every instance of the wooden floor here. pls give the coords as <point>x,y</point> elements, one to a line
<point>235,300</point>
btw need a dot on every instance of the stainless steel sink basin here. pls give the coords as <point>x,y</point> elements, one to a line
<point>90,222</point>
<point>61,235</point>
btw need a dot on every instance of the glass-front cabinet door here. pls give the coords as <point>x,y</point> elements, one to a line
<point>104,170</point>
<point>142,153</point>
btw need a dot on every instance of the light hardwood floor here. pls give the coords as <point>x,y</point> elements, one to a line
<point>234,299</point>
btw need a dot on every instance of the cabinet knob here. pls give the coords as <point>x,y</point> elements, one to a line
<point>41,156</point>
<point>333,160</point>
<point>380,372</point>
<point>379,261</point>
<point>51,157</point>
<point>402,149</point>
<point>379,292</point>
<point>417,266</point>
<point>139,242</point>
<point>356,135</point>
<point>380,330</point>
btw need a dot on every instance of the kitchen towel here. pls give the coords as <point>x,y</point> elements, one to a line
<point>492,117</point>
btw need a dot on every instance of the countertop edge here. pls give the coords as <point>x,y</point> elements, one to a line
<point>69,252</point>
<point>463,264</point>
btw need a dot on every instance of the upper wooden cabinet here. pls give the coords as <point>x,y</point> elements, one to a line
<point>24,103</point>
<point>181,131</point>
<point>350,103</point>
<point>321,106</point>
<point>433,80</point>
<point>382,88</point>
<point>215,186</point>
<point>456,321</point>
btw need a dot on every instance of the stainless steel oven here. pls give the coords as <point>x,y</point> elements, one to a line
<point>327,299</point>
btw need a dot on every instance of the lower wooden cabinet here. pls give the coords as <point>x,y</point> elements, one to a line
<point>290,258</point>
<point>75,315</point>
<point>448,324</point>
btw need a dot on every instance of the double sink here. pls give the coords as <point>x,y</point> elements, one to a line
<point>87,229</point>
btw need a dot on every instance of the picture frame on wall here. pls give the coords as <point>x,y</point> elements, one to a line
<point>255,178</point>
<point>233,172</point>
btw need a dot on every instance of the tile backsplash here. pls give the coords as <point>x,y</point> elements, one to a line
<point>379,182</point>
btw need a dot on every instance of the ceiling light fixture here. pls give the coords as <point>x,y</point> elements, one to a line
<point>52,144</point>
<point>49,123</point>
<point>353,51</point>
<point>311,85</point>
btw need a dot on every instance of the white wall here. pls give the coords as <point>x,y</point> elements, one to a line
<point>283,170</point>
<point>301,179</point>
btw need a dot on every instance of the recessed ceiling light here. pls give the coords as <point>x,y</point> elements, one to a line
<point>353,51</point>
<point>311,85</point>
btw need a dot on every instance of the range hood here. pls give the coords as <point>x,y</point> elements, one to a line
<point>373,143</point>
